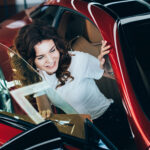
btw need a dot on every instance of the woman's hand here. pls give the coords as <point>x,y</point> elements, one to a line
<point>44,106</point>
<point>105,64</point>
<point>104,51</point>
<point>46,113</point>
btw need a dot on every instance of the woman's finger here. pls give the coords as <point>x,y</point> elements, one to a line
<point>105,48</point>
<point>103,54</point>
<point>102,63</point>
<point>43,114</point>
<point>48,113</point>
<point>103,44</point>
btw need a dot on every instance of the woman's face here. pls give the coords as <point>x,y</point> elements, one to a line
<point>47,56</point>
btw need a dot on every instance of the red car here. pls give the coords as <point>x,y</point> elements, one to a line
<point>125,25</point>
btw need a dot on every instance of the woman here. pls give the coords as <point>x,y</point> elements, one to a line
<point>70,73</point>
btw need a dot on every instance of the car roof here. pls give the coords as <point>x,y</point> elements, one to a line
<point>124,8</point>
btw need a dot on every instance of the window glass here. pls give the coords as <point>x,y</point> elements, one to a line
<point>136,52</point>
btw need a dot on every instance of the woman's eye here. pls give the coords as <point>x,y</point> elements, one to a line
<point>39,58</point>
<point>52,50</point>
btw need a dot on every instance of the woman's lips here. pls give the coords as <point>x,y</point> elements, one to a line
<point>51,65</point>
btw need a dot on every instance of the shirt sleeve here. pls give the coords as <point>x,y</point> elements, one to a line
<point>87,66</point>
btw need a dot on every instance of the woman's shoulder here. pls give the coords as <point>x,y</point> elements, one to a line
<point>78,61</point>
<point>78,54</point>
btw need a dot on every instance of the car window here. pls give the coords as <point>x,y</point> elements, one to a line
<point>136,39</point>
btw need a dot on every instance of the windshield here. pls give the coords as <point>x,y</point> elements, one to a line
<point>135,41</point>
<point>18,93</point>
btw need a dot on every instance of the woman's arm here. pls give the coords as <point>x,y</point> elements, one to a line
<point>44,106</point>
<point>105,50</point>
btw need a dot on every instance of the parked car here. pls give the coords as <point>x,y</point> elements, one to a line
<point>125,25</point>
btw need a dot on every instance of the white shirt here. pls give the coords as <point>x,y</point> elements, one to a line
<point>81,93</point>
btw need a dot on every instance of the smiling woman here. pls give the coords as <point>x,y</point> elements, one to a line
<point>70,75</point>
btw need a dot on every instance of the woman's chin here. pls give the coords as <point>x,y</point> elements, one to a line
<point>52,71</point>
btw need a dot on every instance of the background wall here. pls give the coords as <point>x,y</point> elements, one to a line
<point>9,8</point>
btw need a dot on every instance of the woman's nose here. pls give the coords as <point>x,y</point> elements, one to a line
<point>49,59</point>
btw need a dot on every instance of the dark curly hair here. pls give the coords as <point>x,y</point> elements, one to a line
<point>31,34</point>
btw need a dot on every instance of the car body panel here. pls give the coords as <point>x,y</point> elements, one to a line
<point>11,132</point>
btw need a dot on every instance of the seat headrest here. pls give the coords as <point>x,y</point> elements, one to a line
<point>93,34</point>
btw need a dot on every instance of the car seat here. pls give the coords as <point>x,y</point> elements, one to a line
<point>90,42</point>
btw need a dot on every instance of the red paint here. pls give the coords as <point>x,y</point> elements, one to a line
<point>71,148</point>
<point>7,132</point>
